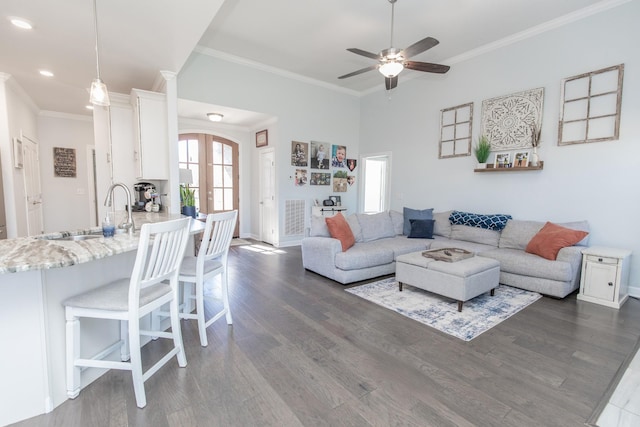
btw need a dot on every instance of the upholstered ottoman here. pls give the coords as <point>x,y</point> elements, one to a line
<point>461,280</point>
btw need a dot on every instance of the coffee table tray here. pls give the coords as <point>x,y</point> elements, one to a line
<point>447,254</point>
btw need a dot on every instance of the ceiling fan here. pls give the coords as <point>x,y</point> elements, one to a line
<point>392,61</point>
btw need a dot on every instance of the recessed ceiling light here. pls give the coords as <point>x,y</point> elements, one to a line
<point>46,73</point>
<point>215,117</point>
<point>21,23</point>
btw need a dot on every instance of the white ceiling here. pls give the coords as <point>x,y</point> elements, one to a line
<point>307,38</point>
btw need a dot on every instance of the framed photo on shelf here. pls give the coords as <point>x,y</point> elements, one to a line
<point>521,158</point>
<point>503,160</point>
<point>262,138</point>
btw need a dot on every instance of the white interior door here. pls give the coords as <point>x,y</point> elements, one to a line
<point>267,196</point>
<point>32,187</point>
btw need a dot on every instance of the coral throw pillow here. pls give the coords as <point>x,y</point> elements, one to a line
<point>339,229</point>
<point>551,238</point>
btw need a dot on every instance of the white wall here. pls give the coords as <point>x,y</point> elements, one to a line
<point>20,114</point>
<point>596,181</point>
<point>66,200</point>
<point>304,112</point>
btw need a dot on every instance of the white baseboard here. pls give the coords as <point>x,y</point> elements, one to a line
<point>634,291</point>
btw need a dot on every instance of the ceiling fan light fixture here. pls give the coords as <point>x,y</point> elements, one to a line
<point>391,69</point>
<point>215,117</point>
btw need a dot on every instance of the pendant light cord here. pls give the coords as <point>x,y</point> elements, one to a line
<point>95,24</point>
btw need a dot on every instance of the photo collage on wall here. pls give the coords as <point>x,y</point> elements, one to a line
<point>328,165</point>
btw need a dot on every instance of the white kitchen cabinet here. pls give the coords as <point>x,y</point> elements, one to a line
<point>151,147</point>
<point>605,276</point>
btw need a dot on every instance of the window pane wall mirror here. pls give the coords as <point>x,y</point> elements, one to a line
<point>590,106</point>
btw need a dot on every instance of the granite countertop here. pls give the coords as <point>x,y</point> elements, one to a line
<point>48,251</point>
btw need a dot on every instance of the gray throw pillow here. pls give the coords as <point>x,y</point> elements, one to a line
<point>421,229</point>
<point>410,214</point>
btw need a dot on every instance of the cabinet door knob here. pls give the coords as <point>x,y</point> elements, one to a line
<point>610,283</point>
<point>599,259</point>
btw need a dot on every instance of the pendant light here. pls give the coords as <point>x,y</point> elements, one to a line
<point>99,94</point>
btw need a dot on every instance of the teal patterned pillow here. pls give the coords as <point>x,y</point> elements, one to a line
<point>490,222</point>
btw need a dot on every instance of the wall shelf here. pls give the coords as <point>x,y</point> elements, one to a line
<point>528,168</point>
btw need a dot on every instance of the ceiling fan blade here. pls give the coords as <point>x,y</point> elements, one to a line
<point>362,70</point>
<point>426,67</point>
<point>419,47</point>
<point>391,82</point>
<point>364,53</point>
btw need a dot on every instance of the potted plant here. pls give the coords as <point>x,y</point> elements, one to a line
<point>188,198</point>
<point>482,150</point>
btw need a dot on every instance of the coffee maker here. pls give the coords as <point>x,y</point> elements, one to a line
<point>145,195</point>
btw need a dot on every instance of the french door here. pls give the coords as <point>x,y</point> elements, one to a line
<point>214,164</point>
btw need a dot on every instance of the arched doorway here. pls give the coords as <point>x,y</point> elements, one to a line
<point>214,163</point>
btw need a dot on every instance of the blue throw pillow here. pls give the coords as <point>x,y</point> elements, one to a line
<point>410,214</point>
<point>421,229</point>
<point>490,222</point>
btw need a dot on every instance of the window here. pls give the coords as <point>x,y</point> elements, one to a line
<point>590,109</point>
<point>375,183</point>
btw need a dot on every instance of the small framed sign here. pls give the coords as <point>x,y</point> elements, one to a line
<point>262,138</point>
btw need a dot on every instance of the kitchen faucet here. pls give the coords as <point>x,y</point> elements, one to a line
<point>129,226</point>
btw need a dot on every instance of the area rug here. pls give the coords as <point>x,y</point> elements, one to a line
<point>478,315</point>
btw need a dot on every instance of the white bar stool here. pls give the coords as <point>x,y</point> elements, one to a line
<point>160,252</point>
<point>210,262</point>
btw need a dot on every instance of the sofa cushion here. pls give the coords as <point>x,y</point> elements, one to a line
<point>410,214</point>
<point>442,225</point>
<point>354,224</point>
<point>489,222</point>
<point>551,238</point>
<point>318,227</point>
<point>398,222</point>
<point>376,226</point>
<point>339,229</point>
<point>475,235</point>
<point>439,242</point>
<point>365,255</point>
<point>421,229</point>
<point>517,233</point>
<point>515,261</point>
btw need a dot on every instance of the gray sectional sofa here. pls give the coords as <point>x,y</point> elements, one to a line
<point>380,240</point>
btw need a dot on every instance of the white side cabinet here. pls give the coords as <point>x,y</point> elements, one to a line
<point>605,276</point>
<point>151,146</point>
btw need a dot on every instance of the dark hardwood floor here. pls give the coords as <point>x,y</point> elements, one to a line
<point>302,352</point>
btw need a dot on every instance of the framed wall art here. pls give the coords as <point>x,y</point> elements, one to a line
<point>64,162</point>
<point>590,106</point>
<point>455,131</point>
<point>510,121</point>
<point>503,160</point>
<point>521,158</point>
<point>262,138</point>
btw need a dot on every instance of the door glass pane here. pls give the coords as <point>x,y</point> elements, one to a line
<point>193,150</point>
<point>218,201</point>
<point>217,152</point>
<point>228,176</point>
<point>182,152</point>
<point>228,155</point>
<point>217,176</point>
<point>228,199</point>
<point>375,184</point>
